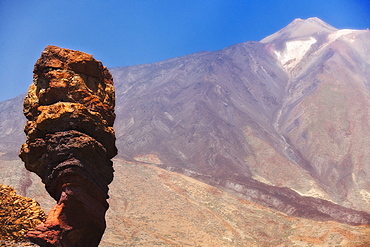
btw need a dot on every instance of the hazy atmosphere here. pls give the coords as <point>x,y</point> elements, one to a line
<point>123,33</point>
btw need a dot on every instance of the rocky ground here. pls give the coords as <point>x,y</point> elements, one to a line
<point>155,207</point>
<point>18,214</point>
<point>4,243</point>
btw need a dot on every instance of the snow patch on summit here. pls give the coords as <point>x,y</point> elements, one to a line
<point>340,33</point>
<point>294,52</point>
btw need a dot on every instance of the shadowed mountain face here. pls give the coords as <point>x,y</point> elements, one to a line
<point>283,122</point>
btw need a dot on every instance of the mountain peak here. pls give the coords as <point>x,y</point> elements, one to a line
<point>312,22</point>
<point>299,28</point>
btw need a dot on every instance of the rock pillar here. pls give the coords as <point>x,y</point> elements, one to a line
<point>70,144</point>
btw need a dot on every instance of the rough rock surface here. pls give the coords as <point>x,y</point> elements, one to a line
<point>18,214</point>
<point>70,141</point>
<point>15,244</point>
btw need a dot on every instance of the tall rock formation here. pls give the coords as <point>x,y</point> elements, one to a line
<point>70,141</point>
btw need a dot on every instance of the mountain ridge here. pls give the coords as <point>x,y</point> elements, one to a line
<point>300,28</point>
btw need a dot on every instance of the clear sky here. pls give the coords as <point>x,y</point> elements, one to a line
<point>130,32</point>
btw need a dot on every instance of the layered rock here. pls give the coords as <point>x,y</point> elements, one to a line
<point>70,141</point>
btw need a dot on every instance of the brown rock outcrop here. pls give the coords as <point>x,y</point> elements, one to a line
<point>70,143</point>
<point>18,214</point>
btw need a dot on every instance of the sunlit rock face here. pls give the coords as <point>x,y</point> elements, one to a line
<point>70,141</point>
<point>19,214</point>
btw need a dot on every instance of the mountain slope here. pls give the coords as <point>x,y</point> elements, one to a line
<point>11,127</point>
<point>157,207</point>
<point>325,117</point>
<point>258,111</point>
<point>169,209</point>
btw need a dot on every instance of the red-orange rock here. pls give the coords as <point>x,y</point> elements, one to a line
<point>70,141</point>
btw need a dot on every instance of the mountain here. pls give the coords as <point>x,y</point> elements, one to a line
<point>282,122</point>
<point>288,112</point>
<point>11,127</point>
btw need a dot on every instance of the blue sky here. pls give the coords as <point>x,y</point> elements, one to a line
<point>123,33</point>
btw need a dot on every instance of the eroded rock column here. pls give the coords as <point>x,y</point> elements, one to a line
<point>70,143</point>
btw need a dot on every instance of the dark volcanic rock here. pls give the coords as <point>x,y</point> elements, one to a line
<point>70,141</point>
